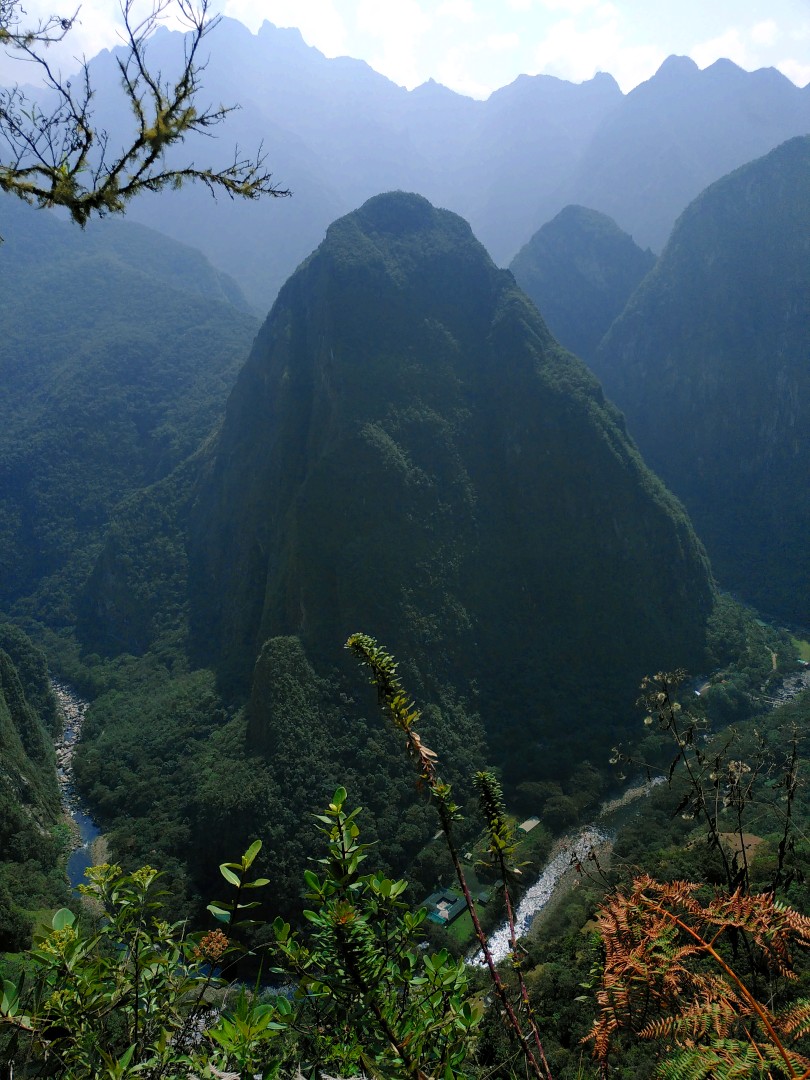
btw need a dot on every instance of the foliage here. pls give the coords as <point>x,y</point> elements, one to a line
<point>708,364</point>
<point>32,844</point>
<point>714,780</point>
<point>56,156</point>
<point>134,995</point>
<point>136,343</point>
<point>405,716</point>
<point>390,1009</point>
<point>657,984</point>
<point>580,269</point>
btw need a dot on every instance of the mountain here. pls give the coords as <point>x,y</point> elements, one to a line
<point>580,270</point>
<point>31,847</point>
<point>408,451</point>
<point>336,132</point>
<point>678,132</point>
<point>118,350</point>
<point>709,364</point>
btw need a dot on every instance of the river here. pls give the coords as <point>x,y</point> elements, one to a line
<point>73,709</point>
<point>567,852</point>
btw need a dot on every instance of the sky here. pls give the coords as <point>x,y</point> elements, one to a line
<point>476,46</point>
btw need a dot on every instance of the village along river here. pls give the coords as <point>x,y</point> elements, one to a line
<point>567,852</point>
<point>73,709</point>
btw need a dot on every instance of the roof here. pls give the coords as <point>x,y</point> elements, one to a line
<point>444,906</point>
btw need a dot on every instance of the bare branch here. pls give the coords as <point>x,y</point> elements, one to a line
<point>53,154</point>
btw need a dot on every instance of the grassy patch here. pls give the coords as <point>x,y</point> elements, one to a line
<point>802,648</point>
<point>461,931</point>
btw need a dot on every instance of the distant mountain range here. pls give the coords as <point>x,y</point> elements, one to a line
<point>337,132</point>
<point>406,450</point>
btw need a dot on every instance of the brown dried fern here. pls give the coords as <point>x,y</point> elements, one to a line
<point>668,978</point>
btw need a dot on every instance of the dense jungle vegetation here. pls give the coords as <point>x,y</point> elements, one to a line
<point>120,994</point>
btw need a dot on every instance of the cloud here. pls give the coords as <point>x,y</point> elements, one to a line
<point>797,72</point>
<point>460,10</point>
<point>729,45</point>
<point>99,26</point>
<point>454,71</point>
<point>765,33</point>
<point>396,29</point>
<point>502,42</point>
<point>591,8</point>
<point>577,50</point>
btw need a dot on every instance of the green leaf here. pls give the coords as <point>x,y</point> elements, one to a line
<point>229,875</point>
<point>250,854</point>
<point>63,917</point>
<point>126,1057</point>
<point>219,913</point>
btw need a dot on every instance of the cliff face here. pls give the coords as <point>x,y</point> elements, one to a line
<point>709,364</point>
<point>408,452</point>
<point>580,270</point>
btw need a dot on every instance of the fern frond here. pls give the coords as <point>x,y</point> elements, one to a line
<point>796,1020</point>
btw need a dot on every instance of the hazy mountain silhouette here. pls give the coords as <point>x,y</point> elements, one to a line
<point>337,132</point>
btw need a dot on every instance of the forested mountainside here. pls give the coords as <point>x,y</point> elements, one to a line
<point>336,132</point>
<point>580,269</point>
<point>117,353</point>
<point>709,364</point>
<point>408,452</point>
<point>32,841</point>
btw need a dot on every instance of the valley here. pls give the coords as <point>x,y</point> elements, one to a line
<point>232,436</point>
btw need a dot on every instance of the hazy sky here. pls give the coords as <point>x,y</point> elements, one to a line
<point>475,46</point>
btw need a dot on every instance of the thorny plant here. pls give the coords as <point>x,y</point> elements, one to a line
<point>719,784</point>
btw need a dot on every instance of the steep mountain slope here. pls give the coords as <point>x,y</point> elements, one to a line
<point>118,350</point>
<point>580,270</point>
<point>337,132</point>
<point>408,451</point>
<point>29,797</point>
<point>709,364</point>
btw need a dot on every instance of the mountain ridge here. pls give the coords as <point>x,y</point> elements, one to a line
<point>717,331</point>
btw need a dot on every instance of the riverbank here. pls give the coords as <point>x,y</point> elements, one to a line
<point>85,832</point>
<point>593,841</point>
